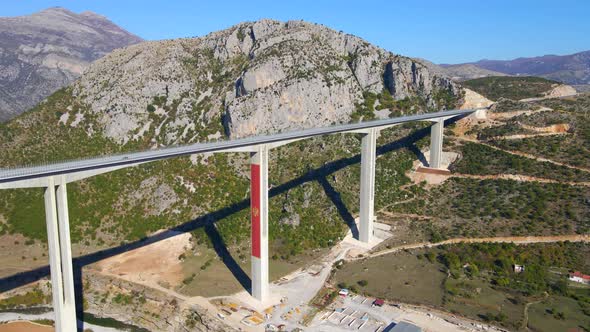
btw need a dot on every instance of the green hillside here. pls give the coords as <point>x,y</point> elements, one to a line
<point>315,185</point>
<point>516,88</point>
<point>571,149</point>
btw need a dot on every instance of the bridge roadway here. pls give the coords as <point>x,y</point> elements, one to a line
<point>54,177</point>
<point>104,162</point>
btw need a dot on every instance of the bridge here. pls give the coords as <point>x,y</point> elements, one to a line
<point>55,177</point>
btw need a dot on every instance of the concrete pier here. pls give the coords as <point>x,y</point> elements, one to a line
<point>367,196</point>
<point>259,220</point>
<point>60,257</point>
<point>65,245</point>
<point>436,142</point>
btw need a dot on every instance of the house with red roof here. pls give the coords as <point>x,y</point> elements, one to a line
<point>578,276</point>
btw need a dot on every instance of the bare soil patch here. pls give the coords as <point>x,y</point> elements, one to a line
<point>156,263</point>
<point>25,327</point>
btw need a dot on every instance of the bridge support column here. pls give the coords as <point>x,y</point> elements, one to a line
<point>367,197</point>
<point>60,257</point>
<point>259,219</point>
<point>66,255</point>
<point>436,142</point>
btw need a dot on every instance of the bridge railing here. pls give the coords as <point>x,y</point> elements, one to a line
<point>49,168</point>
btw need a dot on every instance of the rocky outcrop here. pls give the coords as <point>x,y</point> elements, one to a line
<point>473,100</point>
<point>556,91</point>
<point>258,77</point>
<point>47,50</point>
<point>561,90</point>
<point>146,307</point>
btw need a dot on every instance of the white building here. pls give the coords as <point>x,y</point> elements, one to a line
<point>578,276</point>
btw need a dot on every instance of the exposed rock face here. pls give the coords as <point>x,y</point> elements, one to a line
<point>146,307</point>
<point>561,90</point>
<point>473,100</point>
<point>261,77</point>
<point>47,50</point>
<point>556,91</point>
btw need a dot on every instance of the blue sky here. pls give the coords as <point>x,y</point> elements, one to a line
<point>445,31</point>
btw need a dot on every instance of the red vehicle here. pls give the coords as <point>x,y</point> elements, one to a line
<point>378,302</point>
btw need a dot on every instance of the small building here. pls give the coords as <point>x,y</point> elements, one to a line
<point>378,302</point>
<point>402,327</point>
<point>343,292</point>
<point>578,276</point>
<point>518,268</point>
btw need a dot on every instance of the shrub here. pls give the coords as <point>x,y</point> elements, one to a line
<point>430,256</point>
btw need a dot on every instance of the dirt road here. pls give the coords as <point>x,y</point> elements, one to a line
<point>408,215</point>
<point>517,177</point>
<point>500,239</point>
<point>466,124</point>
<point>513,137</point>
<point>525,321</point>
<point>522,154</point>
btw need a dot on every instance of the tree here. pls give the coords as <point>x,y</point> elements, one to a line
<point>430,256</point>
<point>502,282</point>
<point>451,260</point>
<point>561,286</point>
<point>472,270</point>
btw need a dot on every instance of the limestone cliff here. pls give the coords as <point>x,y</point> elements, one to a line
<point>257,77</point>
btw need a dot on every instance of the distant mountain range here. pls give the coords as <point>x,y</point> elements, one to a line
<point>45,51</point>
<point>572,69</point>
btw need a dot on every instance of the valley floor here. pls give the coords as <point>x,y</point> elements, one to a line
<point>294,292</point>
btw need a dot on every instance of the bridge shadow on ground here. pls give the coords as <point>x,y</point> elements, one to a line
<point>421,157</point>
<point>226,257</point>
<point>342,210</point>
<point>208,222</point>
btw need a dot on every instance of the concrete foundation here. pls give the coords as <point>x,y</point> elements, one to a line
<point>367,196</point>
<point>259,220</point>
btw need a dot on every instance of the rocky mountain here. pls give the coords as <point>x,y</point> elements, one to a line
<point>45,51</point>
<point>259,77</point>
<point>571,69</point>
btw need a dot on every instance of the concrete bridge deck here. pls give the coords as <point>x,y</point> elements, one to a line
<point>105,162</point>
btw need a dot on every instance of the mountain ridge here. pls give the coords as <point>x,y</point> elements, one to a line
<point>44,51</point>
<point>259,77</point>
<point>571,69</point>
